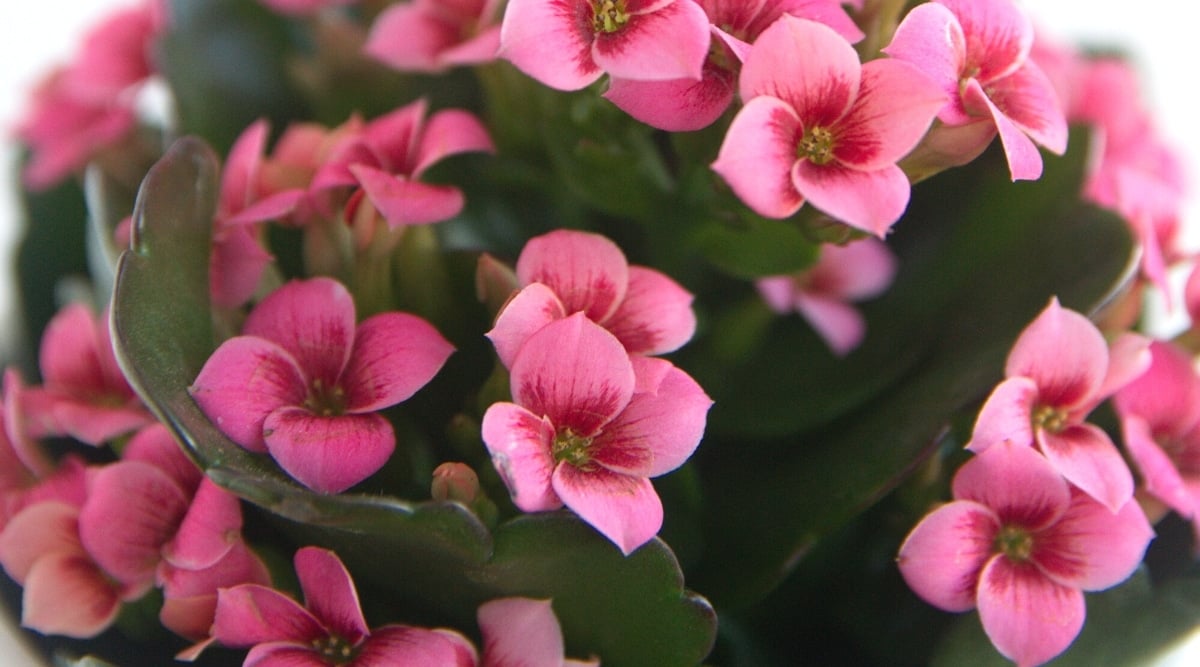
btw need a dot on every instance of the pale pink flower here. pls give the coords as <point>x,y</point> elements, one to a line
<point>569,44</point>
<point>685,104</point>
<point>329,628</point>
<point>117,54</point>
<point>523,632</point>
<point>821,127</point>
<point>589,426</point>
<point>1021,545</point>
<point>822,293</point>
<point>1059,369</point>
<point>305,383</point>
<point>432,35</point>
<point>978,52</point>
<point>566,271</point>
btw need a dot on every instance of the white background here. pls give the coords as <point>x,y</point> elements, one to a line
<point>1159,33</point>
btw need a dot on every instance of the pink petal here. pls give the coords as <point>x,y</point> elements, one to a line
<point>1006,416</point>
<point>1129,357</point>
<point>69,351</point>
<point>132,510</point>
<point>36,531</point>
<point>942,557</point>
<point>450,132</point>
<point>1024,160</point>
<point>575,373</point>
<point>1029,618</point>
<point>480,49</point>
<point>211,527</point>
<point>22,457</point>
<point>1063,353</point>
<point>1166,394</point>
<point>858,270</point>
<point>551,41</point>
<point>394,355</point>
<point>535,306</point>
<point>284,654</point>
<point>807,65</point>
<point>1027,98</point>
<point>92,422</point>
<point>393,645</point>
<point>519,442</point>
<point>839,324</point>
<point>520,632</point>
<point>1091,547</point>
<point>239,176</point>
<point>1017,483</point>
<point>757,156</point>
<point>1086,457</point>
<point>779,292</point>
<point>998,35</point>
<point>329,593</point>
<point>868,200</point>
<point>157,446</point>
<point>236,266</point>
<point>670,41</point>
<point>407,202</point>
<point>624,509</point>
<point>409,37</point>
<point>190,596</point>
<point>66,594</point>
<point>677,105</point>
<point>656,315</point>
<point>329,454</point>
<point>276,206</point>
<point>313,320</point>
<point>244,381</point>
<point>1160,476</point>
<point>587,271</point>
<point>895,106</point>
<point>251,614</point>
<point>931,38</point>
<point>660,428</point>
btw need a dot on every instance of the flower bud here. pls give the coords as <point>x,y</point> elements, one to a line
<point>455,481</point>
<point>495,283</point>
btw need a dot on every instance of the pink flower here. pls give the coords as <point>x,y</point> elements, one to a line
<point>117,54</point>
<point>568,44</point>
<point>819,126</point>
<point>84,394</point>
<point>432,35</point>
<point>329,628</point>
<point>522,632</point>
<point>853,272</point>
<point>564,272</point>
<point>1059,369</point>
<point>589,426</point>
<point>1021,545</point>
<point>978,51</point>
<point>305,383</point>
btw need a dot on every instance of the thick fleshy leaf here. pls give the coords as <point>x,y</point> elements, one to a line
<point>520,444</point>
<point>656,315</point>
<point>546,40</point>
<point>1085,455</point>
<point>625,509</point>
<point>806,65</point>
<point>1006,416</point>
<point>941,559</point>
<point>394,355</point>
<point>313,320</point>
<point>535,306</point>
<point>1029,618</point>
<point>66,594</point>
<point>895,105</point>
<point>868,200</point>
<point>587,272</point>
<point>252,614</point>
<point>670,41</point>
<point>931,38</point>
<point>329,593</point>
<point>1062,352</point>
<point>328,454</point>
<point>520,632</point>
<point>1092,547</point>
<point>758,155</point>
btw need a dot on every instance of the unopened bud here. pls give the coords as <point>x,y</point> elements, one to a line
<point>455,481</point>
<point>495,283</point>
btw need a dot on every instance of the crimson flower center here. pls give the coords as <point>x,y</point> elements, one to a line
<point>334,650</point>
<point>816,145</point>
<point>1015,542</point>
<point>1050,418</point>
<point>609,15</point>
<point>325,401</point>
<point>571,447</point>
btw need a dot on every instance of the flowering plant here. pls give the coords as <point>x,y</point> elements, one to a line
<point>463,332</point>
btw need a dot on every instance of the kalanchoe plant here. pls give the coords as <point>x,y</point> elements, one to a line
<point>483,315</point>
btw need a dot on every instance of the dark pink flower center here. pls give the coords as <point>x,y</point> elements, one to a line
<point>1050,418</point>
<point>573,448</point>
<point>816,145</point>
<point>1015,542</point>
<point>325,401</point>
<point>609,16</point>
<point>334,650</point>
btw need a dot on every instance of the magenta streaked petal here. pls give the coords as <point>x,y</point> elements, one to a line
<point>808,66</point>
<point>998,35</point>
<point>758,154</point>
<point>1006,415</point>
<point>245,380</point>
<point>209,529</point>
<point>66,594</point>
<point>668,41</point>
<point>1063,353</point>
<point>252,614</point>
<point>660,428</point>
<point>1160,476</point>
<point>1027,98</point>
<point>676,105</point>
<point>895,106</point>
<point>393,645</point>
<point>1024,160</point>
<point>587,271</point>
<point>551,41</point>
<point>943,555</point>
<point>656,315</point>
<point>868,200</point>
<point>328,454</point>
<point>313,320</point>
<point>1091,547</point>
<point>931,38</point>
<point>395,354</point>
<point>1029,618</point>
<point>1017,483</point>
<point>1086,457</point>
<point>450,132</point>
<point>284,654</point>
<point>157,446</point>
<point>407,202</point>
<point>36,531</point>
<point>574,372</point>
<point>519,442</point>
<point>839,324</point>
<point>535,306</point>
<point>520,632</point>
<point>623,508</point>
<point>329,593</point>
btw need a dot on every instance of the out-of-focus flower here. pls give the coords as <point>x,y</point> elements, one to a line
<point>432,35</point>
<point>522,632</point>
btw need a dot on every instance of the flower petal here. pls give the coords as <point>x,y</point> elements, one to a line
<point>1063,353</point>
<point>677,105</point>
<point>450,132</point>
<point>394,355</point>
<point>931,38</point>
<point>209,529</point>
<point>407,202</point>
<point>943,555</point>
<point>1087,458</point>
<point>1006,415</point>
<point>587,271</point>
<point>624,509</point>
<point>313,320</point>
<point>329,593</point>
<point>758,154</point>
<point>1029,618</point>
<point>668,42</point>
<point>520,632</point>
<point>519,442</point>
<point>1091,547</point>
<point>284,654</point>
<point>998,35</point>
<point>656,315</point>
<point>551,41</point>
<point>36,531</point>
<point>532,308</point>
<point>393,645</point>
<point>858,270</point>
<point>1024,160</point>
<point>328,454</point>
<point>839,324</point>
<point>409,37</point>
<point>1027,98</point>
<point>1017,483</point>
<point>868,200</point>
<point>252,614</point>
<point>66,594</point>
<point>1160,476</point>
<point>895,106</point>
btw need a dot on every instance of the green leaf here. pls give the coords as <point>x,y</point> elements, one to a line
<point>756,248</point>
<point>434,557</point>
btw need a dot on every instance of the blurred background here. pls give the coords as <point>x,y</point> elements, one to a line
<point>1155,33</point>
